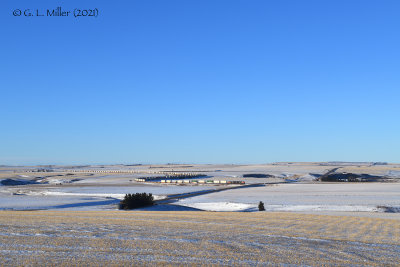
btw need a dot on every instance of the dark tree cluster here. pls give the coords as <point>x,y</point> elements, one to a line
<point>138,200</point>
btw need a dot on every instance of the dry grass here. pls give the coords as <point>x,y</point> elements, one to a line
<point>33,238</point>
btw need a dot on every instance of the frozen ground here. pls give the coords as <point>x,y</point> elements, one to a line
<point>158,238</point>
<point>81,197</point>
<point>78,224</point>
<point>302,197</point>
<point>291,187</point>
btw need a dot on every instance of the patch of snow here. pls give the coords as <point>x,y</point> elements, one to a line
<point>393,174</point>
<point>55,193</point>
<point>220,206</point>
<point>295,208</point>
<point>307,177</point>
<point>103,195</point>
<point>230,206</point>
<point>168,207</point>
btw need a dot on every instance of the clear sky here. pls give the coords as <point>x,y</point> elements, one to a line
<point>200,81</point>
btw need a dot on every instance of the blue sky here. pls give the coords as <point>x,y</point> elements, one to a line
<point>200,82</point>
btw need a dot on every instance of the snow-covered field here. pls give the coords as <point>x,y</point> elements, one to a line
<point>291,187</point>
<point>70,217</point>
<point>81,197</point>
<point>363,197</point>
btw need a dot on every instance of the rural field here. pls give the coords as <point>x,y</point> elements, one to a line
<point>111,238</point>
<point>295,187</point>
<point>315,214</point>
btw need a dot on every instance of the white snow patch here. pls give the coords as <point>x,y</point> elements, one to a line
<point>109,195</point>
<point>102,195</point>
<point>220,206</point>
<point>229,206</point>
<point>320,208</point>
<point>55,193</point>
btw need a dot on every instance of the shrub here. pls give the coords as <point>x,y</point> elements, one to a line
<point>261,206</point>
<point>134,201</point>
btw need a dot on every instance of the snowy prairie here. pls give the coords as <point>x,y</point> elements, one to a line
<point>361,197</point>
<point>289,186</point>
<point>67,215</point>
<point>80,197</point>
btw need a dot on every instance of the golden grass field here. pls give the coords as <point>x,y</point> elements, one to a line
<point>116,238</point>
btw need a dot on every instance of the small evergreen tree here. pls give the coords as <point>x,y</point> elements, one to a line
<point>261,206</point>
<point>138,200</point>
